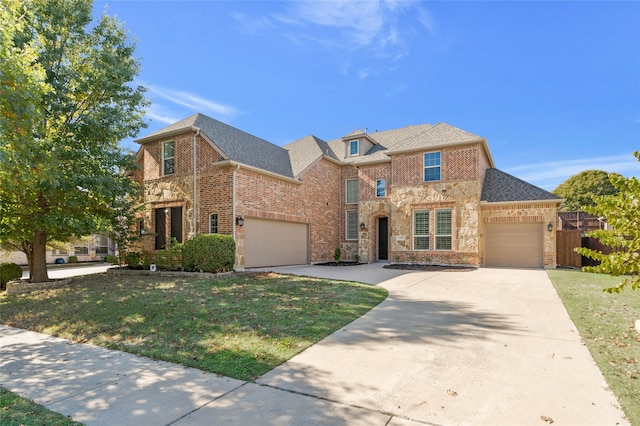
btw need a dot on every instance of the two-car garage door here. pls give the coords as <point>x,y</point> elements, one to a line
<point>514,245</point>
<point>275,243</point>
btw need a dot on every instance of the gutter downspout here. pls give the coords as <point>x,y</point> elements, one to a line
<point>195,182</point>
<point>233,201</point>
<point>233,213</point>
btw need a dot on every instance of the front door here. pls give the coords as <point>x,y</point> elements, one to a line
<point>176,223</point>
<point>161,229</point>
<point>383,238</point>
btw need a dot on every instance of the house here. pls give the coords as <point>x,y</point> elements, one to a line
<point>86,249</point>
<point>424,193</point>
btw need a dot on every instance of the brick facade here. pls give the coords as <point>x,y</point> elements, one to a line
<point>317,198</point>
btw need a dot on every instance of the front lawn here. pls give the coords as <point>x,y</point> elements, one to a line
<point>18,411</point>
<point>239,326</point>
<point>606,322</point>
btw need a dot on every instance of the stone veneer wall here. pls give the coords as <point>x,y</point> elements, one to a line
<point>524,212</point>
<point>175,190</point>
<point>461,197</point>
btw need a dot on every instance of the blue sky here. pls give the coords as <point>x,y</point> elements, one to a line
<point>554,87</point>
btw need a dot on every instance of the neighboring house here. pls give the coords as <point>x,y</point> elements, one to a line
<point>86,249</point>
<point>425,193</point>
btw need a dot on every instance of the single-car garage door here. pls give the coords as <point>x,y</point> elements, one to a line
<point>275,243</point>
<point>513,245</point>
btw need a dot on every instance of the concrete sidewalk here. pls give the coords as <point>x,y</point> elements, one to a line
<point>492,346</point>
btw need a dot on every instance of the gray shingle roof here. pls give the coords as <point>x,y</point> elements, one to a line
<point>435,136</point>
<point>305,151</point>
<point>235,144</point>
<point>499,187</point>
<point>422,136</point>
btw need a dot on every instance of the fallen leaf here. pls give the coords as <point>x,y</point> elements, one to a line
<point>452,392</point>
<point>547,419</point>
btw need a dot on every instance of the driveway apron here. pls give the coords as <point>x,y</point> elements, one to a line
<point>490,347</point>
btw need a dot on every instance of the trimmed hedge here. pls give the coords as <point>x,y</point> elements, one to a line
<point>9,272</point>
<point>209,253</point>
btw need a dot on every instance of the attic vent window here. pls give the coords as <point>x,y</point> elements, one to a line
<point>354,147</point>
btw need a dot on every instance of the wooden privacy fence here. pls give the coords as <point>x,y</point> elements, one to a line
<point>568,240</point>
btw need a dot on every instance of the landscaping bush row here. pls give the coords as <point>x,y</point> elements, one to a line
<point>205,253</point>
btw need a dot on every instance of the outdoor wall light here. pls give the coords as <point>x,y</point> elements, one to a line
<point>240,220</point>
<point>362,226</point>
<point>550,227</point>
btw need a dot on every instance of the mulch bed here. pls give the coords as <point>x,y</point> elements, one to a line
<point>422,267</point>
<point>341,263</point>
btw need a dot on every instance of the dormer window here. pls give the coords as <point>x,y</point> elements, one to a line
<point>354,147</point>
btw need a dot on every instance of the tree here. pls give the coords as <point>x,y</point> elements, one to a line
<point>622,212</point>
<point>60,163</point>
<point>580,190</point>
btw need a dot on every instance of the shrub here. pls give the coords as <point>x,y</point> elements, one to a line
<point>73,259</point>
<point>168,259</point>
<point>133,259</point>
<point>9,272</point>
<point>209,253</point>
<point>111,259</point>
<point>337,255</point>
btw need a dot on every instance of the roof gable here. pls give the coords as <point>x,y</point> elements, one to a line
<point>233,144</point>
<point>306,151</point>
<point>441,134</point>
<point>500,187</point>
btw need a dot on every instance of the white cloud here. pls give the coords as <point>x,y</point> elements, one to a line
<point>161,114</point>
<point>549,175</point>
<point>194,102</point>
<point>377,27</point>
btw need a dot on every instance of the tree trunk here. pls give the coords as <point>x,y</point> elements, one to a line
<point>38,258</point>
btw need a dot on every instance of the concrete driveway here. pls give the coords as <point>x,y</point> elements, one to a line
<point>486,347</point>
<point>490,346</point>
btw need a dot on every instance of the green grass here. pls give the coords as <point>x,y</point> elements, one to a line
<point>606,322</point>
<point>240,326</point>
<point>17,411</point>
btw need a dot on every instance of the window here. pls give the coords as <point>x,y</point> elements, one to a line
<point>352,191</point>
<point>102,244</point>
<point>421,230</point>
<point>168,153</point>
<point>81,249</point>
<point>213,223</point>
<point>443,229</point>
<point>352,225</point>
<point>431,166</point>
<point>381,188</point>
<point>354,147</point>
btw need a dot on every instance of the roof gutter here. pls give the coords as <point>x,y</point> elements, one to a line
<point>499,203</point>
<point>367,163</point>
<point>257,170</point>
<point>166,134</point>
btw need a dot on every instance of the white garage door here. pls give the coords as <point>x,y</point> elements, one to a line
<point>514,245</point>
<point>275,243</point>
